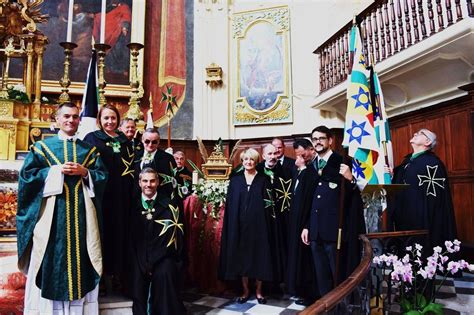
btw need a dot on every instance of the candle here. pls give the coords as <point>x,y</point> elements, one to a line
<point>195,177</point>
<point>70,18</point>
<point>102,23</point>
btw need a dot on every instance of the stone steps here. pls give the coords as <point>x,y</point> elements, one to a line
<point>115,305</point>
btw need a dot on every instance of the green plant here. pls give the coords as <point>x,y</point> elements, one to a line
<point>415,276</point>
<point>17,92</point>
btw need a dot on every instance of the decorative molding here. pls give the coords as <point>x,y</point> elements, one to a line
<point>279,16</point>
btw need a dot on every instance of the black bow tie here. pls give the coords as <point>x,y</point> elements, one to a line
<point>149,202</point>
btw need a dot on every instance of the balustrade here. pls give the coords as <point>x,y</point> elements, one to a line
<point>387,27</point>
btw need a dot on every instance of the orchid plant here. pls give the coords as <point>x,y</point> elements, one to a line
<point>414,274</point>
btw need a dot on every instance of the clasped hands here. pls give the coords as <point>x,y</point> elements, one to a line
<point>72,168</point>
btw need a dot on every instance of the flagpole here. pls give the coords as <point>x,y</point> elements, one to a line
<point>169,129</point>
<point>342,194</point>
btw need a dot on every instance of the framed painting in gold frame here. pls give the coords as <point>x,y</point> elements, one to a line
<point>124,24</point>
<point>261,41</point>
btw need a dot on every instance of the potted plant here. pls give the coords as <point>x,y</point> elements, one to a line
<point>414,275</point>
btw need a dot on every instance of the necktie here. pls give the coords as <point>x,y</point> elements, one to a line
<point>321,164</point>
<point>149,203</point>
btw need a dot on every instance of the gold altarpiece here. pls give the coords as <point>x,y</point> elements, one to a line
<point>20,38</point>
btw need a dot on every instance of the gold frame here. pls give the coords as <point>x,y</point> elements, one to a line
<point>281,111</point>
<point>137,34</point>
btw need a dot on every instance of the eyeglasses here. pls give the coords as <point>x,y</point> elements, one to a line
<point>420,133</point>
<point>320,139</point>
<point>151,141</point>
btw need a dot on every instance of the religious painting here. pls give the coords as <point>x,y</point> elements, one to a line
<point>261,40</point>
<point>85,31</point>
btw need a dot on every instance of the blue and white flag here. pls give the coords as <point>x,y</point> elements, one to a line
<point>90,100</point>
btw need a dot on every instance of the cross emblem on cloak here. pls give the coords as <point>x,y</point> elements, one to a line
<point>284,193</point>
<point>171,223</point>
<point>432,180</point>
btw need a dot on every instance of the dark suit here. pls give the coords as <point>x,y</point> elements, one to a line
<point>323,220</point>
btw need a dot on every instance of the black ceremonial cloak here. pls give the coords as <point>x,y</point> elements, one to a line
<point>247,242</point>
<point>300,276</point>
<point>157,246</point>
<point>426,203</point>
<point>117,197</point>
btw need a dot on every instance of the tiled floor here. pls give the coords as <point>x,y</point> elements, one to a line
<point>205,304</point>
<point>457,295</point>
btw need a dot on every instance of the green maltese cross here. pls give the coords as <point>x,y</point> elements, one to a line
<point>169,98</point>
<point>269,202</point>
<point>171,223</point>
<point>284,193</point>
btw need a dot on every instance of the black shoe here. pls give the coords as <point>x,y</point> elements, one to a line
<point>242,299</point>
<point>303,302</point>
<point>262,300</point>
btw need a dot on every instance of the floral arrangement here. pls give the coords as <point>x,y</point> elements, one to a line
<point>8,208</point>
<point>413,275</point>
<point>211,193</point>
<point>18,92</point>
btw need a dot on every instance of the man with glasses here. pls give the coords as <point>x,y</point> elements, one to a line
<point>322,223</point>
<point>151,156</point>
<point>426,203</point>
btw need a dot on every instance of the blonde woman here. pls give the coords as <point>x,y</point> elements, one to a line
<point>247,250</point>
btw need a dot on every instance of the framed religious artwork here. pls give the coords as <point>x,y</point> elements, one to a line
<point>124,23</point>
<point>262,77</point>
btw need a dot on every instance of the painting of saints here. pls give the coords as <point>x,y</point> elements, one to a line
<point>261,66</point>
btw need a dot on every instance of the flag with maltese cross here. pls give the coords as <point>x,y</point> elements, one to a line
<point>359,131</point>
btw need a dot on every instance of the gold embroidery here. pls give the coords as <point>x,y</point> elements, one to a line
<point>74,152</point>
<point>91,162</point>
<point>45,147</point>
<point>88,156</point>
<point>76,228</point>
<point>41,153</point>
<point>66,159</point>
<point>68,243</point>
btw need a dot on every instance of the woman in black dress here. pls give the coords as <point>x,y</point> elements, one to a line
<point>247,249</point>
<point>117,154</point>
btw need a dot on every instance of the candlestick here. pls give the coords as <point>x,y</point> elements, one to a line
<point>195,177</point>
<point>101,52</point>
<point>134,102</point>
<point>70,18</point>
<point>65,80</point>
<point>102,22</point>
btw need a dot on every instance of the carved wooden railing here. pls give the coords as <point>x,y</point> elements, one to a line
<point>353,295</point>
<point>387,27</point>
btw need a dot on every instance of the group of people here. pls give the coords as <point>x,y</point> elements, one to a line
<point>282,215</point>
<point>107,211</point>
<point>296,222</point>
<point>99,214</point>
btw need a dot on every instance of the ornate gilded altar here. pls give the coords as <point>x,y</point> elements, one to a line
<point>20,38</point>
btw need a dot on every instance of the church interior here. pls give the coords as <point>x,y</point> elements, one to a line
<point>223,76</point>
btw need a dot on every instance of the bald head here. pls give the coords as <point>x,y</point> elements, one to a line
<point>270,155</point>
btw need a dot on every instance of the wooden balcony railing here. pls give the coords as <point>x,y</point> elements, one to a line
<point>387,27</point>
